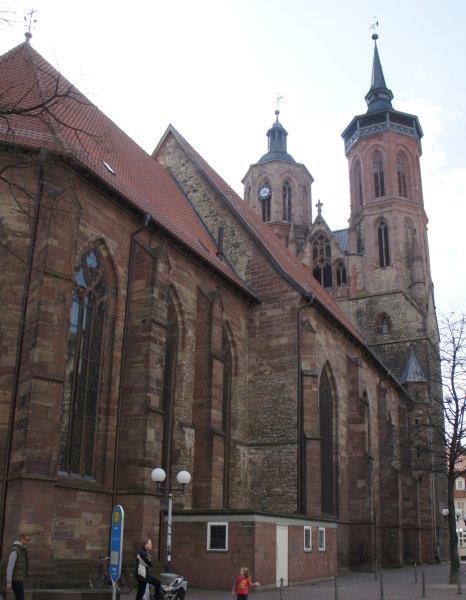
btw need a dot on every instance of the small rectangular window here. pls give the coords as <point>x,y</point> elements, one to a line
<point>217,536</point>
<point>307,539</point>
<point>321,537</point>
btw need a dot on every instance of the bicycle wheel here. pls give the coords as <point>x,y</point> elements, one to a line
<point>97,579</point>
<point>126,581</point>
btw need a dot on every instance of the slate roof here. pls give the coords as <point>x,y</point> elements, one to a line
<point>341,235</point>
<point>413,372</point>
<point>74,127</point>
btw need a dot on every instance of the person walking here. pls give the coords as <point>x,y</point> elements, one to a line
<point>143,574</point>
<point>17,567</point>
<point>242,584</point>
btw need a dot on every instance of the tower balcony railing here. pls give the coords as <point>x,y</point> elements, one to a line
<point>379,127</point>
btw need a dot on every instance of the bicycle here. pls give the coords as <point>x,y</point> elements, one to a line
<point>99,578</point>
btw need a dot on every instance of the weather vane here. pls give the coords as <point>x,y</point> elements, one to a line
<point>29,22</point>
<point>278,99</point>
<point>375,28</point>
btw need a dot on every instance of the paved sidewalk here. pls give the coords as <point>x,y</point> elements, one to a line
<point>398,585</point>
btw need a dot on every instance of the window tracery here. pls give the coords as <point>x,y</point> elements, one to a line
<point>340,273</point>
<point>322,260</point>
<point>83,363</point>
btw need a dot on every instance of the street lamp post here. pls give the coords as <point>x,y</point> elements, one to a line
<point>158,475</point>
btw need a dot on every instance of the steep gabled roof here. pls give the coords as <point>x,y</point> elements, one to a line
<point>39,108</point>
<point>288,265</point>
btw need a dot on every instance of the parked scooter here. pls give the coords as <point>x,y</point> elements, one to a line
<point>173,587</point>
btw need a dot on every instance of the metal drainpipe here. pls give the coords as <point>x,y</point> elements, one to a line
<point>19,355</point>
<point>301,462</point>
<point>147,219</point>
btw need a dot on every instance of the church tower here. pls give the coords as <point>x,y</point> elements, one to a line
<point>391,298</point>
<point>278,189</point>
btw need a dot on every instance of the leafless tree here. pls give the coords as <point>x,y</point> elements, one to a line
<point>439,431</point>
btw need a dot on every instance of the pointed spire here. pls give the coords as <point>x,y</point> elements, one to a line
<point>413,372</point>
<point>277,143</point>
<point>379,97</point>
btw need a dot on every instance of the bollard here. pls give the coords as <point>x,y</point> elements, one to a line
<point>336,588</point>
<point>416,578</point>
<point>382,597</point>
<point>423,585</point>
<point>460,591</point>
<point>281,587</point>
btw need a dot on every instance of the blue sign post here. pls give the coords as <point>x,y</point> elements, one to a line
<point>116,546</point>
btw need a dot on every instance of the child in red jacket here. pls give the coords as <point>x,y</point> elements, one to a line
<point>242,584</point>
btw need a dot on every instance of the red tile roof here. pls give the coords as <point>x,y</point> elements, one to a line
<point>40,109</point>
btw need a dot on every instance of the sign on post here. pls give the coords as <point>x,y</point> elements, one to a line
<point>116,543</point>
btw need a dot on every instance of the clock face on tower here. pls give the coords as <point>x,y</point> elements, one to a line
<point>264,192</point>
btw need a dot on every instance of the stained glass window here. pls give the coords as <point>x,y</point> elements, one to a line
<point>85,334</point>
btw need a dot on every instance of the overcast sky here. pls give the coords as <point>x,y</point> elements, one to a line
<point>213,68</point>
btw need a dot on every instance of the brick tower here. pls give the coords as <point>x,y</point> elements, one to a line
<point>391,298</point>
<point>279,189</point>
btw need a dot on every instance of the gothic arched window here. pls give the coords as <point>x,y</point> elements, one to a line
<point>322,260</point>
<point>287,201</point>
<point>226,411</point>
<point>384,324</point>
<point>357,182</point>
<point>169,378</point>
<point>83,362</point>
<point>377,170</point>
<point>402,175</point>
<point>340,273</point>
<point>326,446</point>
<point>384,248</point>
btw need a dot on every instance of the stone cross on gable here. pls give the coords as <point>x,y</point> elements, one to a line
<point>319,208</point>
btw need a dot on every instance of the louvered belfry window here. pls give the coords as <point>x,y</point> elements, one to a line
<point>327,446</point>
<point>83,362</point>
<point>377,170</point>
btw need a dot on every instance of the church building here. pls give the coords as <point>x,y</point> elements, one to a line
<point>151,317</point>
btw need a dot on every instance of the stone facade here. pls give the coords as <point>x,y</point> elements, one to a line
<point>218,353</point>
